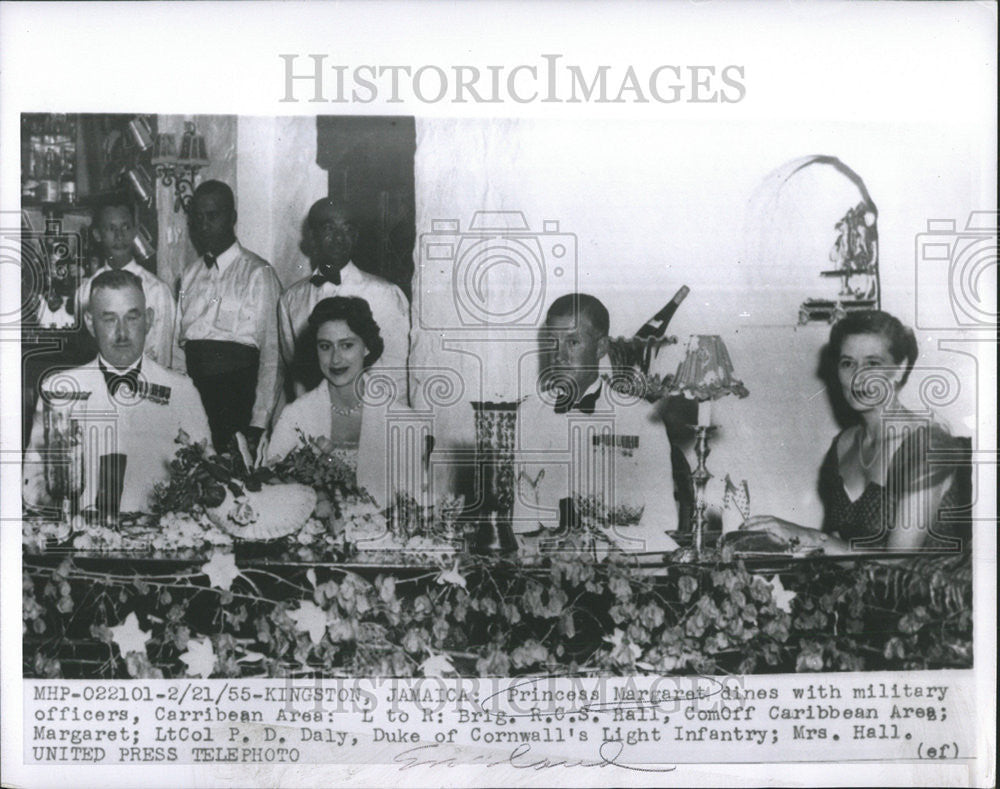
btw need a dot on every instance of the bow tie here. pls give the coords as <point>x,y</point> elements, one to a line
<point>129,381</point>
<point>319,278</point>
<point>210,260</point>
<point>584,405</point>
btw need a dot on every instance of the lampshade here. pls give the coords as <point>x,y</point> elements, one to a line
<point>193,153</point>
<point>164,149</point>
<point>707,371</point>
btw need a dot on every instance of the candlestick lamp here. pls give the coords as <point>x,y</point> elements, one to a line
<point>705,375</point>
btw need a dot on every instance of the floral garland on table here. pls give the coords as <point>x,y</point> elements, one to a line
<point>484,616</point>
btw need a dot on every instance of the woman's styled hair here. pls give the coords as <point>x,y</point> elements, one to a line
<point>353,311</point>
<point>902,344</point>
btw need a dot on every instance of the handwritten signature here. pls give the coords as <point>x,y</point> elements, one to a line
<point>609,755</point>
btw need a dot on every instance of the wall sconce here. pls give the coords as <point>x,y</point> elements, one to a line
<point>178,169</point>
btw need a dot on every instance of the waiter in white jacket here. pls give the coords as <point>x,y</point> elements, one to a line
<point>124,411</point>
<point>227,315</point>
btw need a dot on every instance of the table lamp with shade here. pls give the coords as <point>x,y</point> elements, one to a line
<point>705,375</point>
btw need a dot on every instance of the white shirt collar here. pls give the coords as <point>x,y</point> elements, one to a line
<point>132,266</point>
<point>349,273</point>
<point>108,366</point>
<point>224,259</point>
<point>595,386</point>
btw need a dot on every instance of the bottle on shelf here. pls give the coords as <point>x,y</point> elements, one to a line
<point>29,188</point>
<point>48,130</point>
<point>48,187</point>
<point>33,155</point>
<point>67,180</point>
<point>62,129</point>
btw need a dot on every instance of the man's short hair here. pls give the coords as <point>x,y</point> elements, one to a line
<point>574,304</point>
<point>219,189</point>
<point>118,200</point>
<point>349,212</point>
<point>115,279</point>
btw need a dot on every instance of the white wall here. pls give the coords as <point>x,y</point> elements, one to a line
<point>278,181</point>
<point>654,206</point>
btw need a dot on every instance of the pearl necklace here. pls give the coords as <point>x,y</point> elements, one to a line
<point>346,411</point>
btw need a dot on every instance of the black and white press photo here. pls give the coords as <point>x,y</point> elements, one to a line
<point>523,405</point>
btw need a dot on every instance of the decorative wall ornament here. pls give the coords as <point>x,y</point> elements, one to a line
<point>854,255</point>
<point>178,168</point>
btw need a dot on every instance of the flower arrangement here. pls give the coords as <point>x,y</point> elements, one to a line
<point>348,516</point>
<point>239,498</point>
<point>200,480</point>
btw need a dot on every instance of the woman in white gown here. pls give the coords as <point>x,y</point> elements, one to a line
<point>345,404</point>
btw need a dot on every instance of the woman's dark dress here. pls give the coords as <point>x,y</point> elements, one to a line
<point>928,456</point>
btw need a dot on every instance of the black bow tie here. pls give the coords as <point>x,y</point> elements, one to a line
<point>129,381</point>
<point>210,260</point>
<point>319,278</point>
<point>584,405</point>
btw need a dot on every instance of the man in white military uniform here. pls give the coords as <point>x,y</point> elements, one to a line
<point>114,231</point>
<point>331,234</point>
<point>129,409</point>
<point>585,452</point>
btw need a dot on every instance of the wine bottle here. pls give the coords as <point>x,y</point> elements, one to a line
<point>37,161</point>
<point>657,325</point>
<point>62,129</point>
<point>67,181</point>
<point>48,130</point>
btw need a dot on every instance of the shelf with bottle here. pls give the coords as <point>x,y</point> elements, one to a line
<point>49,158</point>
<point>83,205</point>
